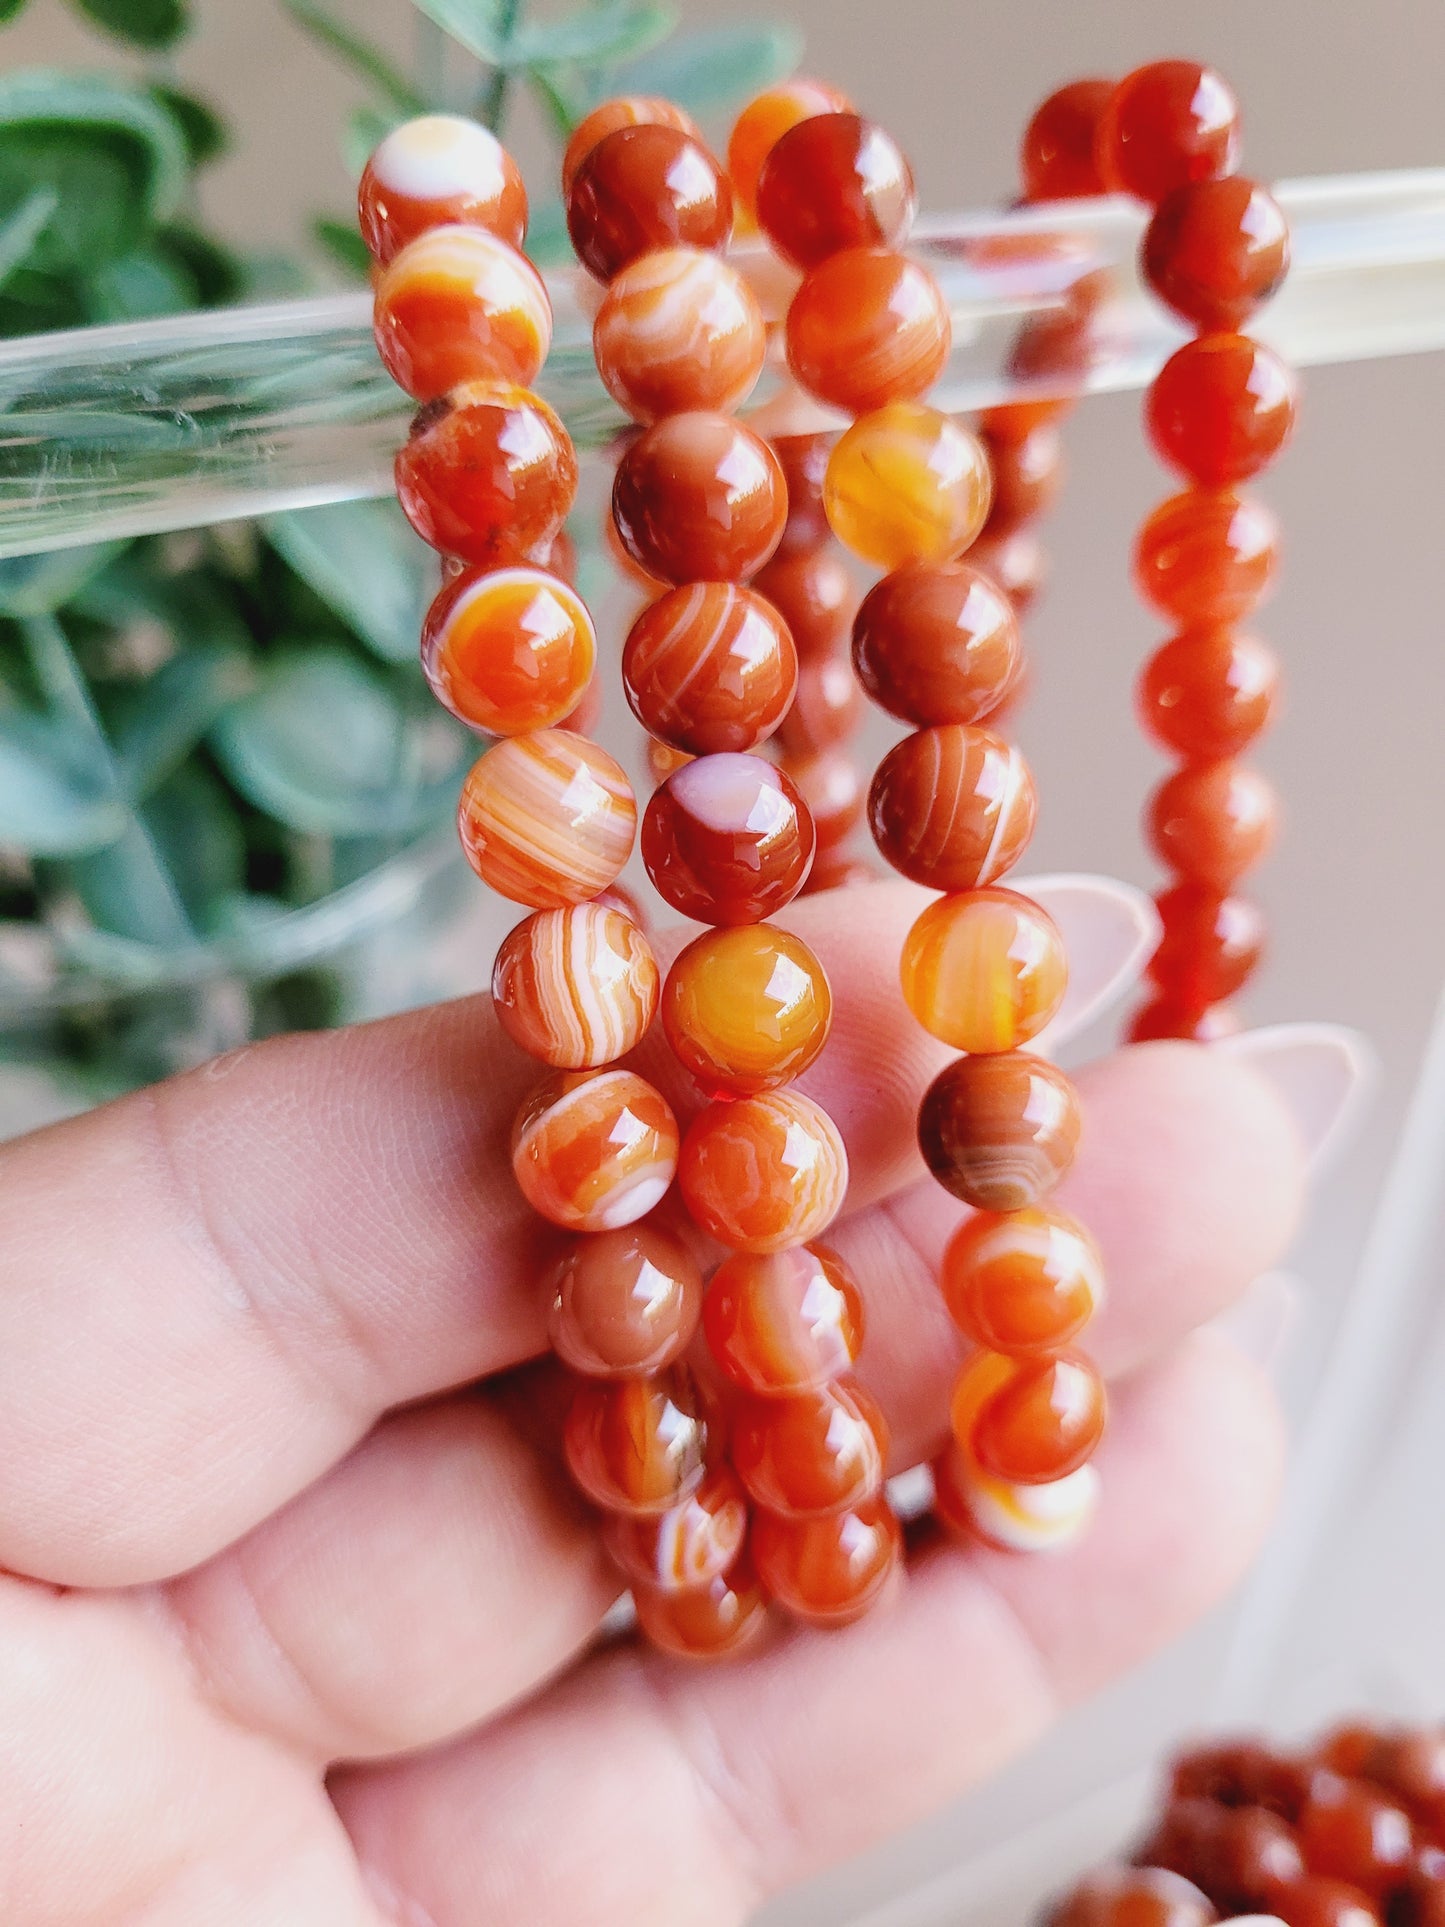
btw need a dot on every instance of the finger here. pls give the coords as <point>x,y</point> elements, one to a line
<point>722,1787</point>
<point>302,1235</point>
<point>443,1568</point>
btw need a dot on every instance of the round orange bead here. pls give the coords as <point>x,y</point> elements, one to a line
<point>762,1172</point>
<point>1146,1897</point>
<point>547,818</point>
<point>508,650</point>
<point>1210,945</point>
<point>1221,408</point>
<point>488,474</point>
<point>936,642</point>
<point>827,708</point>
<point>785,1322</point>
<point>1210,822</point>
<point>727,839</point>
<point>434,171</point>
<point>1036,1422</point>
<point>746,1009</point>
<point>576,987</point>
<point>952,807</point>
<point>1021,1281</point>
<point>831,786</point>
<point>710,667</point>
<point>1206,556</point>
<point>1011,1517</point>
<point>907,484</point>
<point>812,591</point>
<point>762,124</point>
<point>627,110</point>
<point>593,1150</point>
<point>679,329</point>
<point>636,1445</point>
<point>810,1452</point>
<point>708,1622</point>
<point>688,1546</point>
<point>1164,125</point>
<point>829,1571</point>
<point>999,1132</point>
<point>458,305</point>
<point>1056,160</point>
<point>834,181</point>
<point>624,1301</point>
<point>642,188</point>
<point>1169,1016</point>
<point>867,327</point>
<point>1027,470</point>
<point>984,971</point>
<point>1216,251</point>
<point>698,497</point>
<point>1208,693</point>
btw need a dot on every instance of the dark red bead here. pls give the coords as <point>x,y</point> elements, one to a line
<point>1215,251</point>
<point>1220,409</point>
<point>1057,159</point>
<point>1238,1855</point>
<point>642,188</point>
<point>1353,1832</point>
<point>1165,124</point>
<point>835,181</point>
<point>1313,1902</point>
<point>1208,693</point>
<point>1210,947</point>
<point>1241,1773</point>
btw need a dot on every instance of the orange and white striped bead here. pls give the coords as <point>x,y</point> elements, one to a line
<point>436,170</point>
<point>508,650</point>
<point>679,328</point>
<point>547,818</point>
<point>625,110</point>
<point>710,667</point>
<point>759,1173</point>
<point>763,123</point>
<point>459,305</point>
<point>1013,1518</point>
<point>576,987</point>
<point>984,970</point>
<point>1022,1282</point>
<point>593,1150</point>
<point>689,1545</point>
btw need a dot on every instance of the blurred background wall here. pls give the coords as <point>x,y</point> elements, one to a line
<point>1354,892</point>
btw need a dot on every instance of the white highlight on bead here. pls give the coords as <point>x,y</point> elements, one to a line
<point>734,794</point>
<point>438,156</point>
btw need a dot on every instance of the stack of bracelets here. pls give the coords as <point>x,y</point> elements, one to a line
<point>719,1429</point>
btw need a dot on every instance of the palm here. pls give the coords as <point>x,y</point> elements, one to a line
<point>237,1315</point>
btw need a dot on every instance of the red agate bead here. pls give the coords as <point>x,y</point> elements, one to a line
<point>1164,125</point>
<point>547,818</point>
<point>1210,822</point>
<point>1216,251</point>
<point>1027,470</point>
<point>1030,1421</point>
<point>1021,1281</point>
<point>1057,159</point>
<point>763,1172</point>
<point>435,170</point>
<point>1208,693</point>
<point>698,497</point>
<point>508,650</point>
<point>626,110</point>
<point>727,839</point>
<point>1210,944</point>
<point>868,326</point>
<point>1206,556</point>
<point>645,187</point>
<point>830,1570</point>
<point>746,1008</point>
<point>688,1546</point>
<point>764,121</point>
<point>936,642</point>
<point>834,181</point>
<point>488,473</point>
<point>705,1622</point>
<point>812,1451</point>
<point>1221,408</point>
<point>458,305</point>
<point>827,708</point>
<point>999,1132</point>
<point>812,591</point>
<point>952,807</point>
<point>594,1150</point>
<point>709,667</point>
<point>784,1322</point>
<point>1133,1897</point>
<point>679,328</point>
<point>624,1302</point>
<point>636,1444</point>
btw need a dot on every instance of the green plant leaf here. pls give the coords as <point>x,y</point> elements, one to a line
<point>56,796</point>
<point>22,229</point>
<point>218,276</point>
<point>325,746</point>
<point>194,828</point>
<point>547,243</point>
<point>126,888</point>
<point>366,565</point>
<point>593,39</point>
<point>473,24</point>
<point>139,286</point>
<point>35,585</point>
<point>202,128</point>
<point>155,726</point>
<point>145,23</point>
<point>343,243</point>
<point>714,67</point>
<point>9,9</point>
<point>358,53</point>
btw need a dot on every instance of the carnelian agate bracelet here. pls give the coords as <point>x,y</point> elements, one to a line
<point>717,1426</point>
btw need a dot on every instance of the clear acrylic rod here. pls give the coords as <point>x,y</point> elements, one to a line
<point>204,417</point>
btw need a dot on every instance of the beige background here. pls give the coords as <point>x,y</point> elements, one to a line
<point>1354,892</point>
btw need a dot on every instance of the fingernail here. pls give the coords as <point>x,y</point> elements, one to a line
<point>1109,930</point>
<point>1322,1073</point>
<point>1262,1322</point>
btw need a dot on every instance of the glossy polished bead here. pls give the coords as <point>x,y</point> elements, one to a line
<point>763,1172</point>
<point>984,971</point>
<point>867,327</point>
<point>812,591</point>
<point>1178,1018</point>
<point>1210,822</point>
<point>678,329</point>
<point>547,818</point>
<point>906,484</point>
<point>1056,158</point>
<point>689,1545</point>
<point>1021,1281</point>
<point>1208,693</point>
<point>936,642</point>
<point>1240,1855</point>
<point>810,1452</point>
<point>746,1009</point>
<point>952,807</point>
<point>764,121</point>
<point>576,987</point>
<point>433,171</point>
<point>710,667</point>
<point>642,188</point>
<point>1241,1773</point>
<point>508,650</point>
<point>1216,251</point>
<point>1315,1902</point>
<point>727,839</point>
<point>593,1150</point>
<point>1036,1425</point>
<point>458,305</point>
<point>1220,409</point>
<point>804,462</point>
<point>698,497</point>
<point>1133,1897</point>
<point>1410,1765</point>
<point>1170,122</point>
<point>1010,1517</point>
<point>1210,944</point>
<point>1350,1831</point>
<point>488,474</point>
<point>708,1622</point>
<point>999,1132</point>
<point>1206,556</point>
<point>785,1323</point>
<point>831,784</point>
<point>636,1445</point>
<point>830,1570</point>
<point>834,181</point>
<point>624,1301</point>
<point>1027,470</point>
<point>827,708</point>
<point>626,110</point>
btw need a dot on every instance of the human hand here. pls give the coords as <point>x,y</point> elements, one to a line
<point>299,1609</point>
